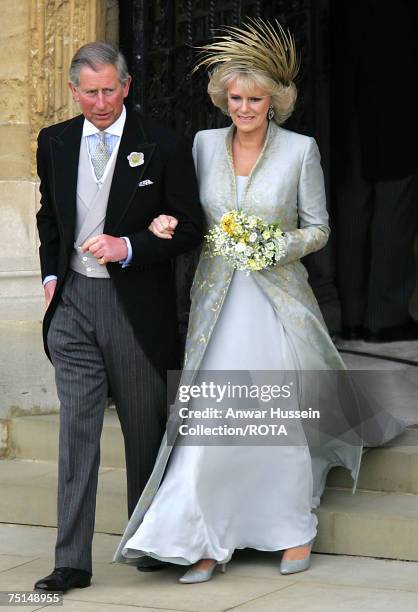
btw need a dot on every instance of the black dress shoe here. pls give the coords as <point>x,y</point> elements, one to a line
<point>352,332</point>
<point>149,564</point>
<point>397,333</point>
<point>62,579</point>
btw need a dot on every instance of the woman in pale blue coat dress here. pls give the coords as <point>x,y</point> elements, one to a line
<point>216,499</point>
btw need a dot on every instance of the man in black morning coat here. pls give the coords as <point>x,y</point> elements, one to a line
<point>111,312</point>
<point>376,164</point>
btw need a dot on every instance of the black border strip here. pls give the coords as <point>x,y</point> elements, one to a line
<point>409,362</point>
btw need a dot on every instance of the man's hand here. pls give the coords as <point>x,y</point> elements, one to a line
<point>163,226</point>
<point>106,248</point>
<point>49,290</point>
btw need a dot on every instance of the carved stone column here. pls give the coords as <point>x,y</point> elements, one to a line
<point>37,41</point>
<point>57,30</point>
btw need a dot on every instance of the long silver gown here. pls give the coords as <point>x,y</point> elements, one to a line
<point>207,501</point>
<point>216,499</point>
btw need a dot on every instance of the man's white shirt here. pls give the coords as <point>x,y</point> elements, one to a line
<point>90,139</point>
<point>113,134</point>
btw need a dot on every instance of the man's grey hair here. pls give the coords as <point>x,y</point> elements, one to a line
<point>95,55</point>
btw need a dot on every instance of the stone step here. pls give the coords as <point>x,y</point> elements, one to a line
<point>36,437</point>
<point>392,469</point>
<point>369,523</point>
<point>29,495</point>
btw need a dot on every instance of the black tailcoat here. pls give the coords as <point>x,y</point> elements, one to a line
<point>146,287</point>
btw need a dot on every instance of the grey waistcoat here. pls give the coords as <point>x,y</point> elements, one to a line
<point>91,212</point>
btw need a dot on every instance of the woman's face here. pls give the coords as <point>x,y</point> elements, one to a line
<point>248,106</point>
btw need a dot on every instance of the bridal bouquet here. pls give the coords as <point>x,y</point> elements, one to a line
<point>246,241</point>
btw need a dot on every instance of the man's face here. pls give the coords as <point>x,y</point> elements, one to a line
<point>100,95</point>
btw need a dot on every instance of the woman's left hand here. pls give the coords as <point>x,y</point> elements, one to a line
<point>163,226</point>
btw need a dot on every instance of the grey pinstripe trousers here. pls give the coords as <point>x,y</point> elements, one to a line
<point>93,348</point>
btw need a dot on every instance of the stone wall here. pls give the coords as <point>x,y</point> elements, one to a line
<point>37,41</point>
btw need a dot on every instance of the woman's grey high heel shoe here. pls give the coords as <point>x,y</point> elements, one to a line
<point>201,575</point>
<point>296,565</point>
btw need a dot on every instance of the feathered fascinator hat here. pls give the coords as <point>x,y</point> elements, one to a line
<point>256,46</point>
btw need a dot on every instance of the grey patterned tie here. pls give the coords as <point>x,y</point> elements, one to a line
<point>100,157</point>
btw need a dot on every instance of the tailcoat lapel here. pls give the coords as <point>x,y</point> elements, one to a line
<point>65,152</point>
<point>125,179</point>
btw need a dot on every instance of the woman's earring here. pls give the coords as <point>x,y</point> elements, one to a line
<point>270,114</point>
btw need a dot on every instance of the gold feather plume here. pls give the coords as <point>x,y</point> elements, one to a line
<point>257,45</point>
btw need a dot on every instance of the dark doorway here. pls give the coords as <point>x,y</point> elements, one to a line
<point>158,39</point>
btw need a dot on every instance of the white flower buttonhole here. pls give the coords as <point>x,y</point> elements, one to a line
<point>135,159</point>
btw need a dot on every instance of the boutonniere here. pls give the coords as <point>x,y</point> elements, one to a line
<point>135,159</point>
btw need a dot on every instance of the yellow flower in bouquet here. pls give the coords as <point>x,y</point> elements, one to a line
<point>228,224</point>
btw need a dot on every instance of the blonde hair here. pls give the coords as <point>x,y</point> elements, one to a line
<point>283,97</point>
